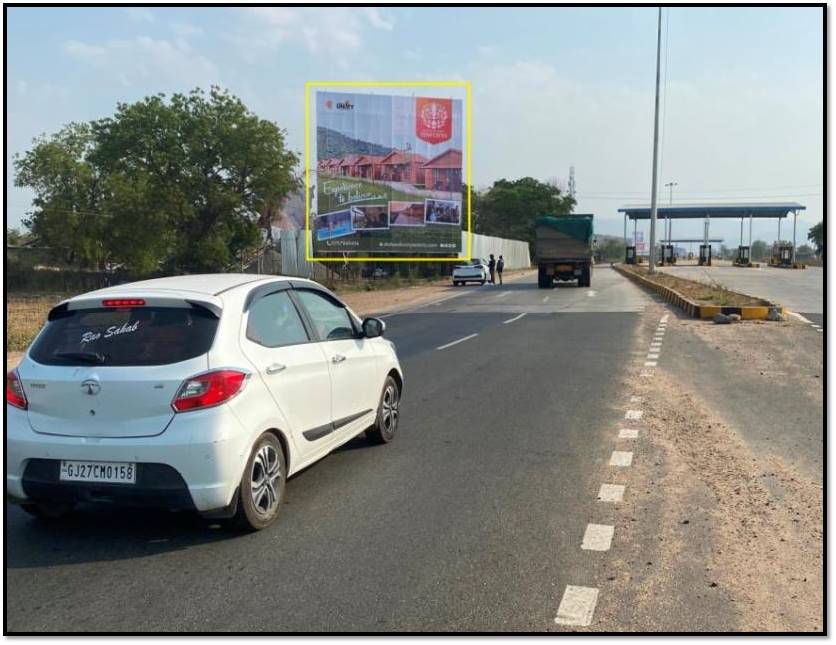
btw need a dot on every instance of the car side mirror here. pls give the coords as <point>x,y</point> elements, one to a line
<point>373,327</point>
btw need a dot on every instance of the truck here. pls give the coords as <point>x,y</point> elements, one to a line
<point>563,249</point>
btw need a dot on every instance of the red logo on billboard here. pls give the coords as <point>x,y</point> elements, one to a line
<point>433,119</point>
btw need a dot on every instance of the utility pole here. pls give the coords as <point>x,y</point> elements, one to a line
<point>652,257</point>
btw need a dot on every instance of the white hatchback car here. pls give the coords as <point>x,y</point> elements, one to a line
<point>476,270</point>
<point>200,392</point>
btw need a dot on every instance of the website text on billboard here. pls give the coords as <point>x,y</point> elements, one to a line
<point>388,176</point>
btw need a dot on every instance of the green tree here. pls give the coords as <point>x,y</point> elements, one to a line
<point>760,250</point>
<point>172,184</point>
<point>16,237</point>
<point>509,207</point>
<point>816,236</point>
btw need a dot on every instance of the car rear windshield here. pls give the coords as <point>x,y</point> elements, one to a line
<point>135,336</point>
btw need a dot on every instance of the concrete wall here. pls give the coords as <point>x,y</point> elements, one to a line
<point>292,242</point>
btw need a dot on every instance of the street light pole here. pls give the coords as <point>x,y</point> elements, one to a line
<point>670,186</point>
<point>652,257</point>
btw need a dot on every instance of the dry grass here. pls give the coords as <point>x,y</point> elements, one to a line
<point>699,292</point>
<point>25,315</point>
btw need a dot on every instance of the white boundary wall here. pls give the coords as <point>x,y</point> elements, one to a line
<point>514,252</point>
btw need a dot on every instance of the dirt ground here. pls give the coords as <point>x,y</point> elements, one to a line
<point>739,532</point>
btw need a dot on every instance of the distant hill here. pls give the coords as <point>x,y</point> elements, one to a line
<point>331,144</point>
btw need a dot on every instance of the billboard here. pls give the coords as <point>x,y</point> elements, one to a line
<point>388,175</point>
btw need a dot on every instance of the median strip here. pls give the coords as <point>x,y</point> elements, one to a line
<point>456,342</point>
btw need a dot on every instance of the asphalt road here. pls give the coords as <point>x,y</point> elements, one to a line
<point>470,520</point>
<point>799,290</point>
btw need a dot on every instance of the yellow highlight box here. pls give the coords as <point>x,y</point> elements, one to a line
<point>361,84</point>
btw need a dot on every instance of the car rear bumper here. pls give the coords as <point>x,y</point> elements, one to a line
<point>196,463</point>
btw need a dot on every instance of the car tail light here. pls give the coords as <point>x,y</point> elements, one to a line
<point>207,390</point>
<point>14,391</point>
<point>123,302</point>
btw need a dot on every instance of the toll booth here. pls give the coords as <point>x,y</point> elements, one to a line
<point>784,255</point>
<point>630,255</point>
<point>705,255</point>
<point>668,256</point>
<point>743,258</point>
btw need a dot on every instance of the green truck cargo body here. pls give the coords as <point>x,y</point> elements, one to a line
<point>563,249</point>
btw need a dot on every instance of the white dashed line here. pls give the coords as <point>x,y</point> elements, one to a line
<point>577,606</point>
<point>456,342</point>
<point>545,298</point>
<point>653,356</point>
<point>635,399</point>
<point>591,294</point>
<point>628,433</point>
<point>597,537</point>
<point>611,493</point>
<point>633,414</point>
<point>621,458</point>
<point>650,363</point>
<point>510,320</point>
<point>646,373</point>
<point>821,331</point>
<point>502,295</point>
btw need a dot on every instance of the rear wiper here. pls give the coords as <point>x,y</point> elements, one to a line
<point>87,357</point>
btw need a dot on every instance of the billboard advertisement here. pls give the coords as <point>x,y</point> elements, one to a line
<point>388,175</point>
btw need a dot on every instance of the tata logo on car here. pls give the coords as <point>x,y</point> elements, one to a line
<point>91,387</point>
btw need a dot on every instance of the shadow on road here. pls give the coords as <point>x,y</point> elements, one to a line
<point>94,534</point>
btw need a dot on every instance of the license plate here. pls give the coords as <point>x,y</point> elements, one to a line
<point>564,267</point>
<point>106,472</point>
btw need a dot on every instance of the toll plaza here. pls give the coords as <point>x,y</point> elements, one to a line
<point>783,255</point>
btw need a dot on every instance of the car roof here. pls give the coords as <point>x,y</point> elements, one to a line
<point>210,284</point>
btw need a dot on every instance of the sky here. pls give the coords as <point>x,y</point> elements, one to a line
<point>553,87</point>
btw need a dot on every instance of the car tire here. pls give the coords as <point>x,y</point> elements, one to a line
<point>48,511</point>
<point>388,413</point>
<point>261,492</point>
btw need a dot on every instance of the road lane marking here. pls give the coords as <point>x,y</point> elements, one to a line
<point>628,433</point>
<point>597,537</point>
<point>611,493</point>
<point>456,342</point>
<point>545,298</point>
<point>590,293</point>
<point>800,317</point>
<point>653,356</point>
<point>510,320</point>
<point>621,458</point>
<point>650,363</point>
<point>502,295</point>
<point>646,373</point>
<point>577,606</point>
<point>821,331</point>
<point>635,399</point>
<point>633,414</point>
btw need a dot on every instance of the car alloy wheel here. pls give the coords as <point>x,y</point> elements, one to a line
<point>265,480</point>
<point>390,408</point>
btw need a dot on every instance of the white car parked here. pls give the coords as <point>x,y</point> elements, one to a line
<point>476,270</point>
<point>202,392</point>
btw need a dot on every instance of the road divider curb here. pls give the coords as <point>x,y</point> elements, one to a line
<point>695,310</point>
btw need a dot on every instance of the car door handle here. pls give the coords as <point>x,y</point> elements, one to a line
<point>337,358</point>
<point>275,367</point>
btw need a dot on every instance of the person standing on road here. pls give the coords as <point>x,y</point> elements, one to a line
<point>500,267</point>
<point>492,269</point>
